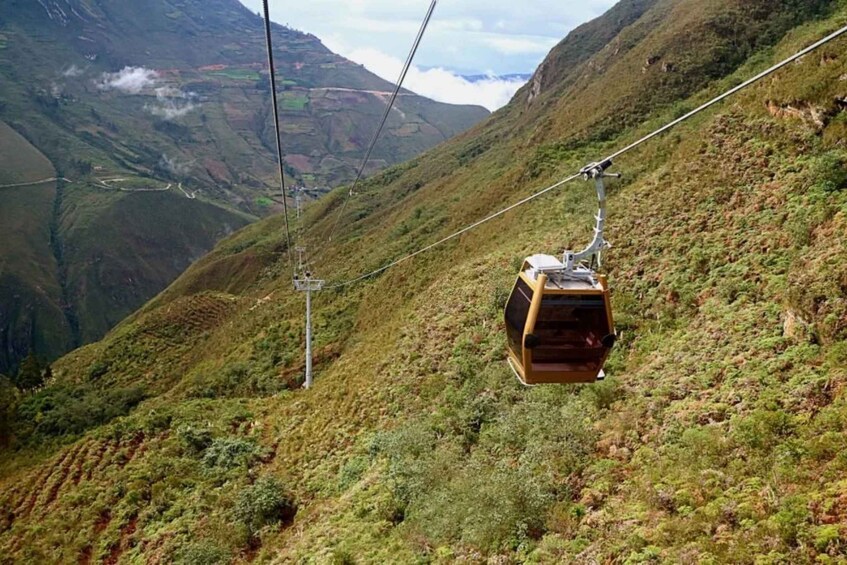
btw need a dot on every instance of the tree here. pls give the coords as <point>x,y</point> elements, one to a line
<point>8,409</point>
<point>30,376</point>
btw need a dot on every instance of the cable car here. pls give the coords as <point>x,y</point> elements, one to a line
<point>559,321</point>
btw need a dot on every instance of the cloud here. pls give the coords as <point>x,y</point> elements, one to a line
<point>131,80</point>
<point>174,166</point>
<point>72,72</point>
<point>459,36</point>
<point>438,83</point>
<point>520,45</point>
<point>172,103</point>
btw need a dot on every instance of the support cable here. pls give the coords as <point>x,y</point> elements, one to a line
<point>406,66</point>
<point>275,105</point>
<point>609,159</point>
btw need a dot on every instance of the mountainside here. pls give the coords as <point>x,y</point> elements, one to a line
<point>157,116</point>
<point>719,436</point>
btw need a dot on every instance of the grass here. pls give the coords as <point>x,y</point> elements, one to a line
<point>236,74</point>
<point>264,202</point>
<point>294,102</point>
<point>221,148</point>
<point>28,266</point>
<point>719,436</point>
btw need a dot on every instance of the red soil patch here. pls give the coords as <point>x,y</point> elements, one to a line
<point>118,549</point>
<point>77,476</point>
<point>85,555</point>
<point>31,492</point>
<point>101,459</point>
<point>37,487</point>
<point>134,444</point>
<point>62,477</point>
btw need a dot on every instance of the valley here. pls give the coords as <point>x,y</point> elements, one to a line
<point>166,105</point>
<point>718,437</point>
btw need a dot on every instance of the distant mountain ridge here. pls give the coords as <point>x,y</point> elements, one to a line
<point>718,436</point>
<point>158,111</point>
<point>513,77</point>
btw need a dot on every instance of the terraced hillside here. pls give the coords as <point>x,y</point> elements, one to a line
<point>158,113</point>
<point>718,438</point>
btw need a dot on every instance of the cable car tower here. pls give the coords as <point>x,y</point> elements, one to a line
<point>304,282</point>
<point>298,198</point>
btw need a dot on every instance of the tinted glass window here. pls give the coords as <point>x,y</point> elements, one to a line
<point>569,331</point>
<point>517,310</point>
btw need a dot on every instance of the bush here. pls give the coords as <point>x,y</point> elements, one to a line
<point>264,504</point>
<point>828,537</point>
<point>8,408</point>
<point>203,554</point>
<point>228,453</point>
<point>63,410</point>
<point>194,441</point>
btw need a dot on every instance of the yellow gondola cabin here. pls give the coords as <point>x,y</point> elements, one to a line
<point>559,316</point>
<point>559,330</point>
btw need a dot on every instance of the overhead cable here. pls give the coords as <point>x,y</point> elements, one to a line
<point>406,66</point>
<point>275,105</point>
<point>612,157</point>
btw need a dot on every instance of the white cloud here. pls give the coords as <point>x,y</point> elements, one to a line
<point>520,45</point>
<point>390,25</point>
<point>131,80</point>
<point>438,83</point>
<point>172,103</point>
<point>175,166</point>
<point>72,72</point>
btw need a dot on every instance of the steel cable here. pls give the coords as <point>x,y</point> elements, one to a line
<point>275,105</point>
<point>612,157</point>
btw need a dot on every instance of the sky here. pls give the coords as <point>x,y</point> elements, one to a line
<point>465,37</point>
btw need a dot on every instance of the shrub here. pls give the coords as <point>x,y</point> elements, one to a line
<point>97,370</point>
<point>203,554</point>
<point>62,410</point>
<point>791,519</point>
<point>352,471</point>
<point>828,537</point>
<point>228,453</point>
<point>194,440</point>
<point>264,504</point>
<point>8,407</point>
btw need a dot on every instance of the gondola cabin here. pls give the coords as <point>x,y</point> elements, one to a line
<point>559,324</point>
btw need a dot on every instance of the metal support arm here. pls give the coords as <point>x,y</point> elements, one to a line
<point>592,253</point>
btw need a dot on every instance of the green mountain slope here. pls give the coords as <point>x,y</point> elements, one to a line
<point>158,111</point>
<point>31,299</point>
<point>719,436</point>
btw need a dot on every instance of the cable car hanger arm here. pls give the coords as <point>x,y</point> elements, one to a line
<point>593,252</point>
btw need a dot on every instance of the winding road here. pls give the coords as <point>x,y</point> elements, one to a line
<point>33,183</point>
<point>104,183</point>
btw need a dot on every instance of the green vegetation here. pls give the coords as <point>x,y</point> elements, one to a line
<point>294,102</point>
<point>79,257</point>
<point>31,376</point>
<point>236,74</point>
<point>264,202</point>
<point>264,504</point>
<point>719,436</point>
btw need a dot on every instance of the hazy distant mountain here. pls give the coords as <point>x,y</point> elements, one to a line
<point>515,77</point>
<point>158,113</point>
